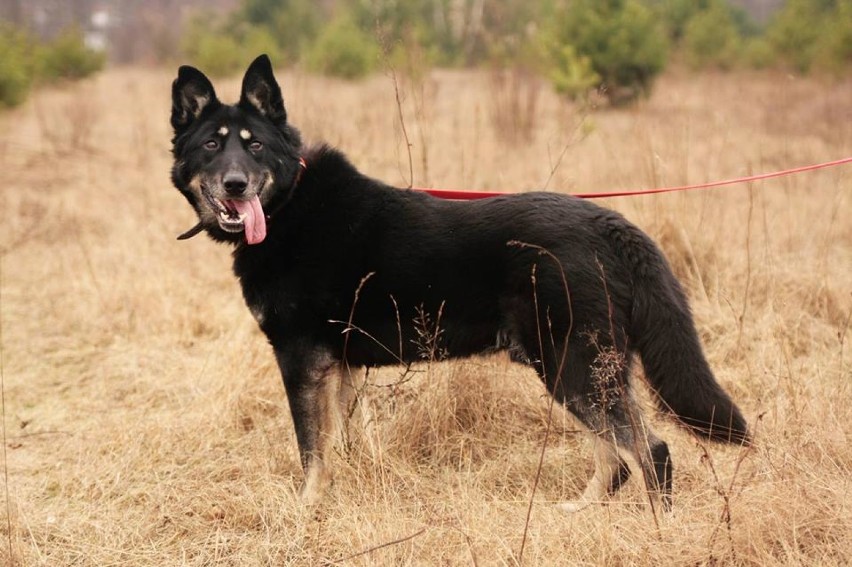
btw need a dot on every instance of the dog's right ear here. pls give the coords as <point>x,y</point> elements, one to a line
<point>192,92</point>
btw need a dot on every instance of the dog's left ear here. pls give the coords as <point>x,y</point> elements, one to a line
<point>261,91</point>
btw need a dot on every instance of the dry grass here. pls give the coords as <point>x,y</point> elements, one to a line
<point>146,424</point>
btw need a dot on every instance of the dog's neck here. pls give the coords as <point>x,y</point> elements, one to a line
<point>303,165</point>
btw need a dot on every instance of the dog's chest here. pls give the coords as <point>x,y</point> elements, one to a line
<point>270,305</point>
<point>287,302</point>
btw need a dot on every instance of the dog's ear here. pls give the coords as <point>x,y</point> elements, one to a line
<point>192,93</point>
<point>261,91</point>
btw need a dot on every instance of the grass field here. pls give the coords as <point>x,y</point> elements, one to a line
<point>145,422</point>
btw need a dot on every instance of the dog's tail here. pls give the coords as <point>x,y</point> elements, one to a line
<point>663,332</point>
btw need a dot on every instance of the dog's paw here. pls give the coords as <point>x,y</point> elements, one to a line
<point>572,506</point>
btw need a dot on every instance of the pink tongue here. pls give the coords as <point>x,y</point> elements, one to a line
<point>255,222</point>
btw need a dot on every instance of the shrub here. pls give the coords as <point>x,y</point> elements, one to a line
<point>795,30</point>
<point>343,50</point>
<point>757,53</point>
<point>16,65</point>
<point>23,60</point>
<point>221,48</point>
<point>206,45</point>
<point>573,75</point>
<point>711,38</point>
<point>675,15</point>
<point>626,47</point>
<point>291,25</point>
<point>808,34</point>
<point>425,24</point>
<point>833,51</point>
<point>255,40</point>
<point>67,57</point>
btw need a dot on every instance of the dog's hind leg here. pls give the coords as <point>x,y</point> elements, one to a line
<point>611,471</point>
<point>621,431</point>
<point>313,382</point>
<point>593,386</point>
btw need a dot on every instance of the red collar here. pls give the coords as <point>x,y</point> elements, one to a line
<point>303,165</point>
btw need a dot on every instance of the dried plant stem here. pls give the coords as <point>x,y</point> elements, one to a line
<point>3,424</point>
<point>391,70</point>
<point>636,424</point>
<point>557,379</point>
<point>369,550</point>
<point>747,289</point>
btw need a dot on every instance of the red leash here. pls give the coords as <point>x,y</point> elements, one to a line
<point>471,195</point>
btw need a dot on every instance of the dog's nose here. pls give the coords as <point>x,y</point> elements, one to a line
<point>235,182</point>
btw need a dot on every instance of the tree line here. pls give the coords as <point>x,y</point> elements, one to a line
<point>613,47</point>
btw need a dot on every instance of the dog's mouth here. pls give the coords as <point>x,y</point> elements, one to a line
<point>235,215</point>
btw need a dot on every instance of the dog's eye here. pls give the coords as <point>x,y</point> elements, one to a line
<point>256,145</point>
<point>211,145</point>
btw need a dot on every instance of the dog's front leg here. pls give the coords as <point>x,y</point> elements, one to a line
<point>312,381</point>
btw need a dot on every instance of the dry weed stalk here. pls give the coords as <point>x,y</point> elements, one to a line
<point>574,139</point>
<point>401,116</point>
<point>514,104</point>
<point>374,548</point>
<point>429,334</point>
<point>636,422</point>
<point>68,126</point>
<point>560,367</point>
<point>747,289</point>
<point>390,69</point>
<point>8,501</point>
<point>725,493</point>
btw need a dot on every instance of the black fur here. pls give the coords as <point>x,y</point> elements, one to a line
<point>481,276</point>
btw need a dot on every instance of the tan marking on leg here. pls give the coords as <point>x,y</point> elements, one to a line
<point>318,475</point>
<point>356,397</point>
<point>606,464</point>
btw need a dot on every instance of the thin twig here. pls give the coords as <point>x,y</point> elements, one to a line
<point>544,252</point>
<point>398,325</point>
<point>383,43</point>
<point>352,313</point>
<point>636,424</point>
<point>408,143</point>
<point>377,547</point>
<point>725,493</point>
<point>546,430</point>
<point>350,327</point>
<point>564,151</point>
<point>3,416</point>
<point>747,290</point>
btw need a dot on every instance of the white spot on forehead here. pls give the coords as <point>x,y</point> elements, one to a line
<point>245,134</point>
<point>223,131</point>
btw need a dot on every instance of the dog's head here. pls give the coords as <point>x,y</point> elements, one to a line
<point>233,162</point>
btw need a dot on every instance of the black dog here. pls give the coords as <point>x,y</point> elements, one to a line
<point>342,271</point>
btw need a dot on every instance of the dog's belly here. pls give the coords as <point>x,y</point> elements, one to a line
<point>423,340</point>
